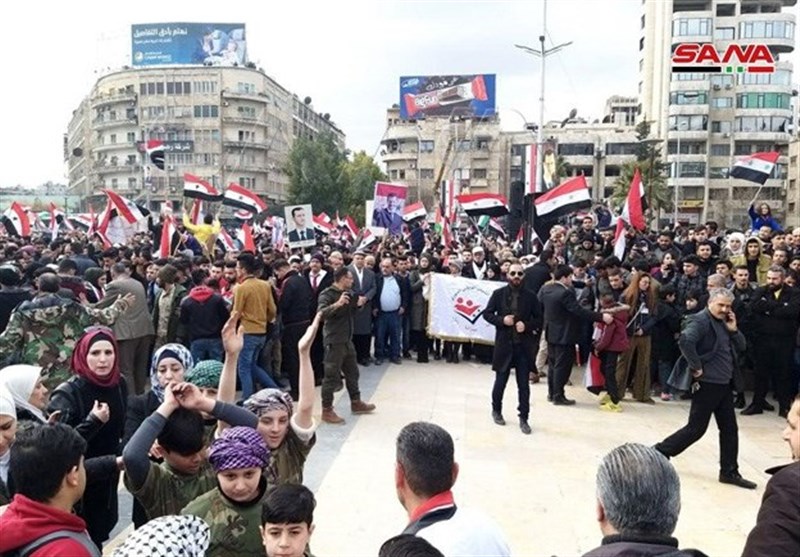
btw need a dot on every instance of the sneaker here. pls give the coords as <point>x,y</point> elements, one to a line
<point>666,397</point>
<point>604,399</point>
<point>611,407</point>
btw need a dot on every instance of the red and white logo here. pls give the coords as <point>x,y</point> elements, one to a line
<point>705,58</point>
<point>468,309</point>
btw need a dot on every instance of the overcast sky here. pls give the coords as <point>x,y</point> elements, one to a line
<point>346,55</point>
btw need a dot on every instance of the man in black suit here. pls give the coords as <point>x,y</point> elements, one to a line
<point>515,314</point>
<point>301,233</point>
<point>564,318</point>
<point>296,306</point>
<point>319,277</point>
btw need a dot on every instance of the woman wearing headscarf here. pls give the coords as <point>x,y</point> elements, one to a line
<point>95,281</point>
<point>168,365</point>
<point>8,432</point>
<point>233,508</point>
<point>734,245</point>
<point>94,401</point>
<point>286,428</point>
<point>420,289</point>
<point>25,384</point>
<point>187,536</point>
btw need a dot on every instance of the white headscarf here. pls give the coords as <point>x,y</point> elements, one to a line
<point>7,408</point>
<point>168,536</point>
<point>20,380</point>
<point>738,236</point>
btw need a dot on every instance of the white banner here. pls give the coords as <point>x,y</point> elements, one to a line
<point>455,308</point>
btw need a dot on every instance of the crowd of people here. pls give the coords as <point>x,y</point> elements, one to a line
<point>193,376</point>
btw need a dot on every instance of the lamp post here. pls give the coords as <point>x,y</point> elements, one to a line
<point>542,53</point>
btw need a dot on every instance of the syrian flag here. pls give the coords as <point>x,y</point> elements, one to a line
<point>241,214</point>
<point>351,225</point>
<point>17,221</point>
<point>168,234</point>
<point>491,204</point>
<point>155,150</point>
<point>237,196</point>
<point>83,220</point>
<point>246,238</point>
<point>225,241</point>
<point>447,235</point>
<point>367,240</point>
<point>497,227</point>
<point>619,240</point>
<point>448,201</point>
<point>414,211</point>
<point>566,198</point>
<point>92,221</point>
<point>756,168</point>
<point>632,211</point>
<point>102,235</point>
<point>531,187</point>
<point>322,225</point>
<point>199,189</point>
<point>124,207</point>
<point>54,220</point>
<point>195,213</point>
<point>325,218</point>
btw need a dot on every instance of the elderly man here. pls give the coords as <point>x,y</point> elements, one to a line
<point>711,342</point>
<point>638,502</point>
<point>391,303</point>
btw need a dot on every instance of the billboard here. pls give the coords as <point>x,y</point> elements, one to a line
<point>447,95</point>
<point>215,44</point>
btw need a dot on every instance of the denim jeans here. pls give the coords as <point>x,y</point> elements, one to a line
<point>249,371</point>
<point>388,327</point>
<point>207,349</point>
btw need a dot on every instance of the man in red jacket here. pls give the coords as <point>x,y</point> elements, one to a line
<point>49,477</point>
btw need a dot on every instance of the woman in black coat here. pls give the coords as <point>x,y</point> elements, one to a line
<point>94,402</point>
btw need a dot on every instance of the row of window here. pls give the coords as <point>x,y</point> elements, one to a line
<point>743,100</point>
<point>701,26</point>
<point>778,77</point>
<point>699,122</point>
<point>179,87</point>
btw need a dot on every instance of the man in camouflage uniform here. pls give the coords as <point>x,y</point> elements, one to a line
<point>44,331</point>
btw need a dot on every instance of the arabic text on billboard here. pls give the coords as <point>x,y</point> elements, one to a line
<point>447,95</point>
<point>217,44</point>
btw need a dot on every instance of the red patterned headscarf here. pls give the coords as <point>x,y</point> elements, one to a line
<point>80,355</point>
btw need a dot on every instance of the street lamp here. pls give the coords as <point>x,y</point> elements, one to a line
<point>542,53</point>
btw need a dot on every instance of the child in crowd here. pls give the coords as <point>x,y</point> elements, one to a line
<point>287,521</point>
<point>205,376</point>
<point>665,334</point>
<point>184,475</point>
<point>613,340</point>
<point>233,508</point>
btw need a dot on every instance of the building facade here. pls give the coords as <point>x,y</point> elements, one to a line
<point>223,124</point>
<point>709,119</point>
<point>793,186</point>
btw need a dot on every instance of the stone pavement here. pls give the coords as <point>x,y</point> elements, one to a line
<point>538,488</point>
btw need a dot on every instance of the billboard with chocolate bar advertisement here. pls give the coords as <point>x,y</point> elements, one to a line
<point>210,44</point>
<point>447,95</point>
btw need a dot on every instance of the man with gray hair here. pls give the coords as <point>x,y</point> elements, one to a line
<point>710,342</point>
<point>638,502</point>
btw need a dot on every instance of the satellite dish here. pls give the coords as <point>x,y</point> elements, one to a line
<point>77,152</point>
<point>307,100</point>
<point>573,113</point>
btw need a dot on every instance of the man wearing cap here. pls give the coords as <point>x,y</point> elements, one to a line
<point>364,291</point>
<point>477,268</point>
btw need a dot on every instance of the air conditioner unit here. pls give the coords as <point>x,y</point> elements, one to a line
<point>729,86</point>
<point>171,167</point>
<point>726,135</point>
<point>716,87</point>
<point>412,165</point>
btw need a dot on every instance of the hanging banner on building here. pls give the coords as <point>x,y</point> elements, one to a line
<point>210,44</point>
<point>447,95</point>
<point>388,203</point>
<point>455,308</point>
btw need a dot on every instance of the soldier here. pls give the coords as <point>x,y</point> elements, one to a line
<point>44,331</point>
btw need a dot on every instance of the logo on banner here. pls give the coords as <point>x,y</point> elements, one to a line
<point>467,309</point>
<point>705,58</point>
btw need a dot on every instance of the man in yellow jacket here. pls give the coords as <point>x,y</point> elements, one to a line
<point>204,233</point>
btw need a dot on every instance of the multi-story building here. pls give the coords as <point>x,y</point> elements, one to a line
<point>708,119</point>
<point>793,185</point>
<point>223,124</point>
<point>622,111</point>
<point>421,153</point>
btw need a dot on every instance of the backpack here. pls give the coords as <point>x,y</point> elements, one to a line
<point>81,538</point>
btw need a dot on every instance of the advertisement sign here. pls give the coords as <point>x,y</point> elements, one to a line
<point>299,226</point>
<point>388,203</point>
<point>176,146</point>
<point>455,308</point>
<point>447,95</point>
<point>214,44</point>
<point>705,58</point>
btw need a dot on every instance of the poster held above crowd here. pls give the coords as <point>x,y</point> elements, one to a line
<point>300,231</point>
<point>389,201</point>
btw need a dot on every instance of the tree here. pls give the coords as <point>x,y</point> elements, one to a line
<point>652,171</point>
<point>316,174</point>
<point>361,173</point>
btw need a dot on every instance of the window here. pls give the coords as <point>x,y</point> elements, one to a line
<point>159,88</point>
<point>766,30</point>
<point>180,158</point>
<point>130,137</point>
<point>401,174</point>
<point>725,33</point>
<point>170,87</point>
<point>718,194</point>
<point>722,102</point>
<point>612,171</point>
<point>721,80</point>
<point>207,159</point>
<point>247,135</point>
<point>688,97</point>
<point>576,149</point>
<point>726,10</point>
<point>696,122</point>
<point>426,173</point>
<point>692,193</point>
<point>246,88</point>
<point>247,182</point>
<point>246,111</point>
<point>206,87</point>
<point>689,76</point>
<point>761,123</point>
<point>206,111</point>
<point>131,183</point>
<point>691,26</point>
<point>687,147</point>
<point>720,150</point>
<point>718,172</point>
<point>131,160</point>
<point>778,77</point>
<point>393,174</point>
<point>112,139</point>
<point>482,144</point>
<point>154,112</point>
<point>720,126</point>
<point>587,171</point>
<point>692,170</point>
<point>763,100</point>
<point>464,145</point>
<point>622,149</point>
<point>479,173</point>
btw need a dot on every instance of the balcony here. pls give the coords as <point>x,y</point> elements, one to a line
<point>232,94</point>
<point>406,132</point>
<point>114,146</point>
<point>102,124</point>
<point>747,32</point>
<point>246,120</point>
<point>399,156</point>
<point>235,144</point>
<point>115,168</point>
<point>101,100</point>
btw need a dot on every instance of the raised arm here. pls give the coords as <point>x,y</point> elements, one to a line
<point>232,340</point>
<point>305,403</point>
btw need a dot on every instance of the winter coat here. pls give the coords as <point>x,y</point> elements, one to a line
<point>203,312</point>
<point>776,532</point>
<point>614,337</point>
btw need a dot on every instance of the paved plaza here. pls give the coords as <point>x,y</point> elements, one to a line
<point>539,488</point>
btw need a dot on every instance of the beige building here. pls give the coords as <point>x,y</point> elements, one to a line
<point>793,185</point>
<point>421,153</point>
<point>223,124</point>
<point>709,119</point>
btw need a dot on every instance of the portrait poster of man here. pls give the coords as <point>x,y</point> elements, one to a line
<point>299,227</point>
<point>389,200</point>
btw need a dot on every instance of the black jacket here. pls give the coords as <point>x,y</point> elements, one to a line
<point>622,545</point>
<point>563,316</point>
<point>776,532</point>
<point>775,318</point>
<point>498,307</point>
<point>297,300</point>
<point>405,292</point>
<point>203,313</point>
<point>699,344</point>
<point>535,276</point>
